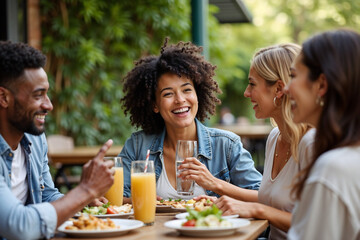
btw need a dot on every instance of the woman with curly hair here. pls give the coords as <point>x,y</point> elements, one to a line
<point>168,96</point>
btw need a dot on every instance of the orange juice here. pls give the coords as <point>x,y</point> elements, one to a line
<point>143,193</point>
<point>115,193</point>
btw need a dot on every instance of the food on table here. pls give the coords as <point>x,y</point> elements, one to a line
<point>126,208</point>
<point>89,222</point>
<point>180,203</point>
<point>203,204</point>
<point>107,209</point>
<point>169,202</point>
<point>210,217</point>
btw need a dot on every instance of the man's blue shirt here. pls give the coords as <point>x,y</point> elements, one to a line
<point>37,219</point>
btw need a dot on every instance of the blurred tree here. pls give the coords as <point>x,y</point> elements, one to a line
<point>90,45</point>
<point>274,21</point>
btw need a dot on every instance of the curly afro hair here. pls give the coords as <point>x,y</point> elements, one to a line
<point>182,59</point>
<point>14,58</point>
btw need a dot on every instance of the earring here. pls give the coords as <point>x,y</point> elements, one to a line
<point>320,101</point>
<point>274,101</point>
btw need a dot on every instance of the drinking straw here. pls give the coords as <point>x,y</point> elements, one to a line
<point>147,160</point>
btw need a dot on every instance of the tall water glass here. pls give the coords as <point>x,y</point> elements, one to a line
<point>115,193</point>
<point>184,149</point>
<point>143,191</point>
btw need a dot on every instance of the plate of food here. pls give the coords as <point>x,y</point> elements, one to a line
<point>198,205</point>
<point>206,223</point>
<point>169,205</point>
<point>186,214</point>
<point>93,227</point>
<point>108,211</point>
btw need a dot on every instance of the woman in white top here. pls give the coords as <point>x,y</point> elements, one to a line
<point>288,145</point>
<point>325,93</point>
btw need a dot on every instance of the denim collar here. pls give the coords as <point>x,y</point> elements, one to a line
<point>204,141</point>
<point>24,142</point>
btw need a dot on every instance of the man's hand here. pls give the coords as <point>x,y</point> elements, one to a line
<point>98,176</point>
<point>98,202</point>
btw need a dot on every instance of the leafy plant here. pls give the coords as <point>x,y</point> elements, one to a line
<point>90,45</point>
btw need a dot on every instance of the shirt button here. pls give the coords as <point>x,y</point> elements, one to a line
<point>10,154</point>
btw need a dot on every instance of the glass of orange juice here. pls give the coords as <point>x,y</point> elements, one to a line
<point>143,191</point>
<point>115,193</point>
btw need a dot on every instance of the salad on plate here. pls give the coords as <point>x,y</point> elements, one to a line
<point>210,217</point>
<point>107,209</point>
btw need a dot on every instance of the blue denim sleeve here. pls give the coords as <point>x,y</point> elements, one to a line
<point>24,222</point>
<point>127,155</point>
<point>242,169</point>
<point>50,193</point>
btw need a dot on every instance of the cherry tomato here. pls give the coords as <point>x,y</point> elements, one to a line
<point>111,210</point>
<point>190,223</point>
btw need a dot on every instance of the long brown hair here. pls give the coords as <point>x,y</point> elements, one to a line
<point>336,54</point>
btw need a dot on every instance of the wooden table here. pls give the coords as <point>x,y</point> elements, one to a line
<point>251,131</point>
<point>80,155</point>
<point>159,232</point>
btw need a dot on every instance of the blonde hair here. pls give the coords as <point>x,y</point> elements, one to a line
<point>273,63</point>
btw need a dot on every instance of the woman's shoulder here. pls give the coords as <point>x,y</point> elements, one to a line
<point>140,136</point>
<point>309,136</point>
<point>220,133</point>
<point>342,162</point>
<point>273,133</point>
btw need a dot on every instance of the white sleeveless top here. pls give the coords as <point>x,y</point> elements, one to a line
<point>275,192</point>
<point>165,190</point>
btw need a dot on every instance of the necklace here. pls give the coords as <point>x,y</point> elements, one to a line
<point>287,155</point>
<point>287,152</point>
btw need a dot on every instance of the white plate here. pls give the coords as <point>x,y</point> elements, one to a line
<point>184,215</point>
<point>125,226</point>
<point>207,231</point>
<point>118,215</point>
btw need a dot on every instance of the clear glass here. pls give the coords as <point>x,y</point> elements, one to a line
<point>115,193</point>
<point>184,149</point>
<point>143,191</point>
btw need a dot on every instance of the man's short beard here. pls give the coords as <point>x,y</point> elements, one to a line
<point>24,124</point>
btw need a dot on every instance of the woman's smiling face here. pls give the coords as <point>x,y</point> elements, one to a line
<point>176,100</point>
<point>303,94</point>
<point>261,95</point>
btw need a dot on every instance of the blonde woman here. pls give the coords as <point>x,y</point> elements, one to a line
<point>288,147</point>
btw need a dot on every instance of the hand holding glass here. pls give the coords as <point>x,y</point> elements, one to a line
<point>115,193</point>
<point>143,191</point>
<point>184,149</point>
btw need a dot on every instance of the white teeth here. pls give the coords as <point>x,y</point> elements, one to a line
<point>181,110</point>
<point>40,116</point>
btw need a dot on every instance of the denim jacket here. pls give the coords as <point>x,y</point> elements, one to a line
<point>221,151</point>
<point>37,219</point>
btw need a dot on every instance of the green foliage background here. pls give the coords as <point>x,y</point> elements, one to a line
<point>91,44</point>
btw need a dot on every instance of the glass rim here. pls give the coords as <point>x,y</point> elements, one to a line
<point>112,157</point>
<point>141,161</point>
